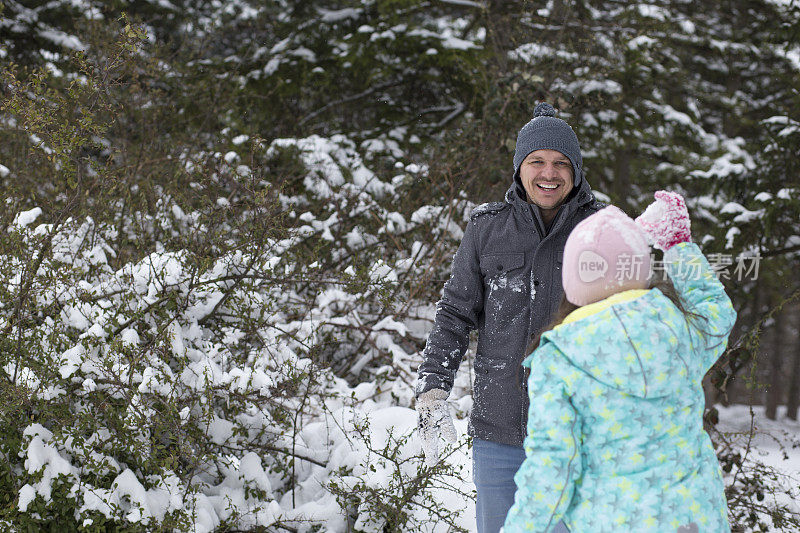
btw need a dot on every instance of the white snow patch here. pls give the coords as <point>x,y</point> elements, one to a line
<point>25,218</point>
<point>26,495</point>
<point>535,52</point>
<point>338,15</point>
<point>62,39</point>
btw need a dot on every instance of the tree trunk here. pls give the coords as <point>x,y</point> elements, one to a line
<point>622,176</point>
<point>793,400</point>
<point>774,357</point>
<point>499,23</point>
<point>744,366</point>
<point>558,14</point>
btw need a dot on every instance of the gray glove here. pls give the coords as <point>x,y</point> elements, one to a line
<point>433,420</point>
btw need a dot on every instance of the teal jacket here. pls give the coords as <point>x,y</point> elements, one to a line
<point>615,438</point>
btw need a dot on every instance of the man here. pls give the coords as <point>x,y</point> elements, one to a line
<point>506,283</point>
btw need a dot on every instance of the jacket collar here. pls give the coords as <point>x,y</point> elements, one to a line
<point>596,307</point>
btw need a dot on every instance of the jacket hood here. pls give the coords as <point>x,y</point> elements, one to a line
<point>613,348</point>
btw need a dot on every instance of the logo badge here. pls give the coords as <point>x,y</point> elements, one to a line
<point>591,266</point>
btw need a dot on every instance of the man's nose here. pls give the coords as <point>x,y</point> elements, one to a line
<point>549,171</point>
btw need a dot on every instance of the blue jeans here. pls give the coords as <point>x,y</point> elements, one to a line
<point>493,469</point>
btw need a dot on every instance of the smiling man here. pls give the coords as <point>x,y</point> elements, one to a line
<point>547,177</point>
<point>506,283</point>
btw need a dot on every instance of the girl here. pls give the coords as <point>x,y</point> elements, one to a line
<point>615,438</point>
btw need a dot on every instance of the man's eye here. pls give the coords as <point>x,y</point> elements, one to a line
<point>563,163</point>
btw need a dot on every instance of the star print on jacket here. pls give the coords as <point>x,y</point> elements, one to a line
<point>615,438</point>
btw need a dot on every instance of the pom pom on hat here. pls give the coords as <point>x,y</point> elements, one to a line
<point>605,254</point>
<point>544,110</point>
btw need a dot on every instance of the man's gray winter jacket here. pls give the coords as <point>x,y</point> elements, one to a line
<point>506,283</point>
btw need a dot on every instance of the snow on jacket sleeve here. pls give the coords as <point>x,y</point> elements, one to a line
<point>456,315</point>
<point>546,479</point>
<point>703,293</point>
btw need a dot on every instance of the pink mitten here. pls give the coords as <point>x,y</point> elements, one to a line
<point>666,221</point>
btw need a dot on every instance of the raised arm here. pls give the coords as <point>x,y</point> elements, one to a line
<point>703,294</point>
<point>666,222</point>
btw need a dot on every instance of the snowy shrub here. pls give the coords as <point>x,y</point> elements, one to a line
<point>176,392</point>
<point>760,496</point>
<point>389,489</point>
<point>230,356</point>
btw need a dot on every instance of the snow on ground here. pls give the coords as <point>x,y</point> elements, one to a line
<point>776,443</point>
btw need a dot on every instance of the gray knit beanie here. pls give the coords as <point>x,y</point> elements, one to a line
<point>545,131</point>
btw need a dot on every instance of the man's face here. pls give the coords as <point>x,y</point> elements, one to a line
<point>547,178</point>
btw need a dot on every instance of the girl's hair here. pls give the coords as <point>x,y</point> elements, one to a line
<point>566,307</point>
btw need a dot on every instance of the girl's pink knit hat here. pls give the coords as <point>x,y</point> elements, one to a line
<point>605,254</point>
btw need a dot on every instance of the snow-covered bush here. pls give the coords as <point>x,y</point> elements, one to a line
<point>761,496</point>
<point>207,365</point>
<point>174,391</point>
